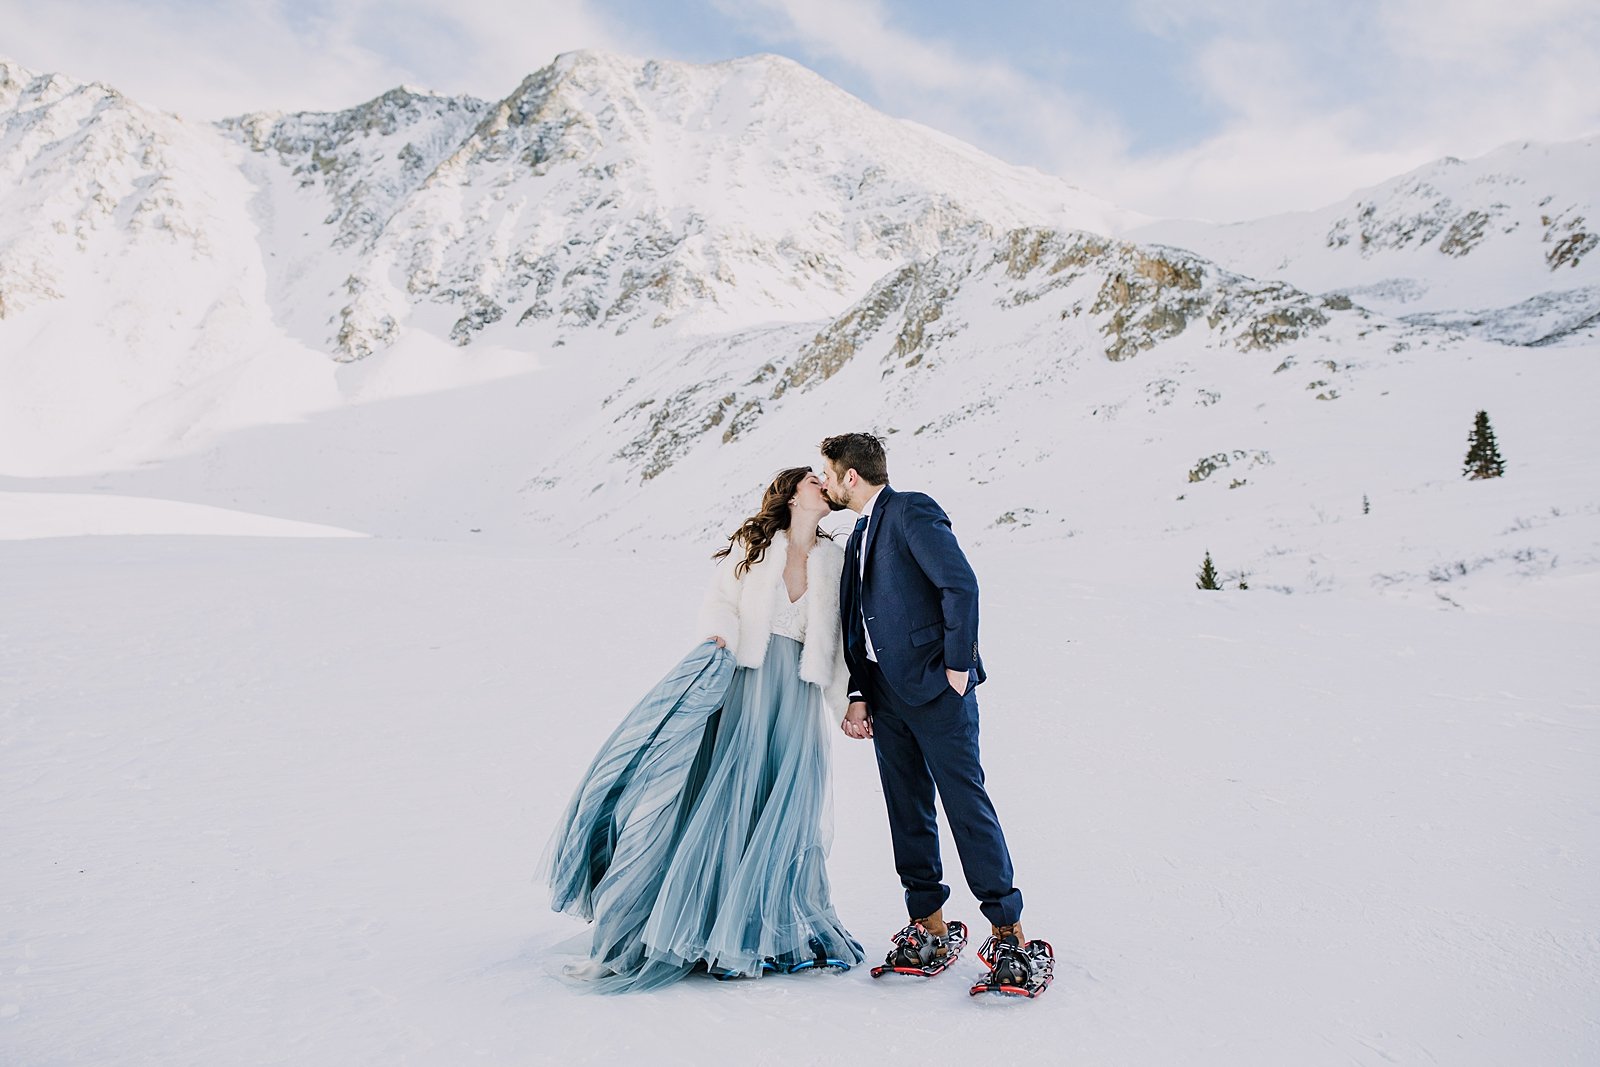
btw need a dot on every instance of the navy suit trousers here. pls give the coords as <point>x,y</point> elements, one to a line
<point>932,747</point>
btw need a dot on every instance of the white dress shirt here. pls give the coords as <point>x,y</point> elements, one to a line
<point>866,513</point>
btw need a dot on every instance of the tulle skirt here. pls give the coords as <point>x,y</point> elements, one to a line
<point>699,834</point>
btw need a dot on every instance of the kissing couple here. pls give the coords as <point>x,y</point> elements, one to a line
<point>696,839</point>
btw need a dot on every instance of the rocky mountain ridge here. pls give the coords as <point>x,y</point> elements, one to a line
<point>1503,246</point>
<point>612,192</point>
<point>1115,300</point>
<point>86,168</point>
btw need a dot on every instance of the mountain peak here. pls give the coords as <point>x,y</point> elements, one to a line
<point>1501,245</point>
<point>626,190</point>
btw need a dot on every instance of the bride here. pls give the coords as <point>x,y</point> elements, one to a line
<point>697,837</point>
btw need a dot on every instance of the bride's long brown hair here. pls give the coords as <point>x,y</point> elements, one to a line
<point>758,530</point>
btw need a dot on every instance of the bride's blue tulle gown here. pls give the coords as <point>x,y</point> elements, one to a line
<point>697,836</point>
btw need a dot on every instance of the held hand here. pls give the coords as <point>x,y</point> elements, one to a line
<point>721,642</point>
<point>958,681</point>
<point>857,721</point>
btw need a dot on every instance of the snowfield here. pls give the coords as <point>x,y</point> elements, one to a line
<point>30,515</point>
<point>281,800</point>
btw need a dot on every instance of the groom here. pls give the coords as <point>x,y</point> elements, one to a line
<point>908,602</point>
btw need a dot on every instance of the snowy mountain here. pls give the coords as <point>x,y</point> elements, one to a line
<point>614,300</point>
<point>1138,400</point>
<point>132,318</point>
<point>602,193</point>
<point>1032,307</point>
<point>1502,246</point>
<point>610,192</point>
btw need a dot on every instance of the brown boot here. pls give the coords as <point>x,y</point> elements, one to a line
<point>934,924</point>
<point>924,943</point>
<point>1013,930</point>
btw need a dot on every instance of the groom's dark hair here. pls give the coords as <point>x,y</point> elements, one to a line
<point>861,451</point>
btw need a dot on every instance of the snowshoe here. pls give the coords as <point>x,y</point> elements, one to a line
<point>1016,971</point>
<point>818,961</point>
<point>916,951</point>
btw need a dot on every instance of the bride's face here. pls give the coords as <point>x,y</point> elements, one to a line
<point>808,496</point>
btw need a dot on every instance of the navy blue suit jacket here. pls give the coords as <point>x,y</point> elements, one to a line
<point>919,596</point>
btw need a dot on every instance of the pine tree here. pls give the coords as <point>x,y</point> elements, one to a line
<point>1208,574</point>
<point>1366,505</point>
<point>1483,451</point>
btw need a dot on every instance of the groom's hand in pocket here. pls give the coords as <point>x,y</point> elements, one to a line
<point>857,721</point>
<point>958,681</point>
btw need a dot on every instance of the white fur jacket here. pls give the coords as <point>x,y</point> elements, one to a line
<point>741,610</point>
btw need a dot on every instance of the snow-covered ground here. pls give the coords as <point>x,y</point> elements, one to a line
<point>281,800</point>
<point>24,516</point>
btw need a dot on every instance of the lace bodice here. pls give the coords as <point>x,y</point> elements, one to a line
<point>790,619</point>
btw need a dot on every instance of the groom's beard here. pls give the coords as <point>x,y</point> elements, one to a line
<point>834,505</point>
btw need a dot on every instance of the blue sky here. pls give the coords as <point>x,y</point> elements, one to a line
<point>1220,109</point>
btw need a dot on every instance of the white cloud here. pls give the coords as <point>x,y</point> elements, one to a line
<point>981,100</point>
<point>1321,100</point>
<point>1316,99</point>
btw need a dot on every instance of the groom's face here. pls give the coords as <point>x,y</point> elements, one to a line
<point>833,486</point>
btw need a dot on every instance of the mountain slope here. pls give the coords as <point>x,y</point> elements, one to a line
<point>132,310</point>
<point>1135,399</point>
